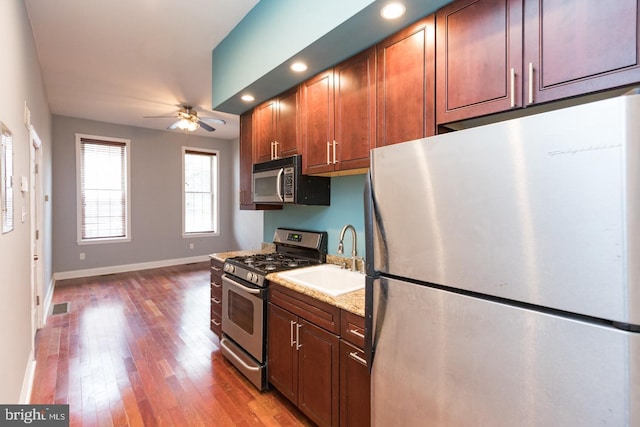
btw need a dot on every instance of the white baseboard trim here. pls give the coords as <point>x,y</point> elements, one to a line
<point>27,382</point>
<point>127,267</point>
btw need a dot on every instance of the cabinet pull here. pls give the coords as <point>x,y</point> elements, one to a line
<point>216,300</point>
<point>530,82</point>
<point>328,152</point>
<point>357,358</point>
<point>275,150</point>
<point>293,341</point>
<point>335,160</point>
<point>215,322</point>
<point>216,268</point>
<point>513,87</point>
<point>215,285</point>
<point>298,345</point>
<point>356,333</point>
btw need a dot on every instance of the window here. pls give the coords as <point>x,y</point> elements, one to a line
<point>103,188</point>
<point>200,173</point>
<point>6,179</point>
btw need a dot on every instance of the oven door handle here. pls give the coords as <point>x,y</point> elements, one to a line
<point>244,288</point>
<point>223,343</point>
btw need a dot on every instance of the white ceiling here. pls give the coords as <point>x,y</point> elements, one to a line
<point>117,61</point>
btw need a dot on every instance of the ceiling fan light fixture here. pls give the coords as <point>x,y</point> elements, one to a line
<point>188,125</point>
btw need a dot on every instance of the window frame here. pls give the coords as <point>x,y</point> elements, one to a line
<point>215,188</point>
<point>102,240</point>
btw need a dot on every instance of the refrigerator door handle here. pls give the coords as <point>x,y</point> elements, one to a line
<point>375,298</point>
<point>373,232</point>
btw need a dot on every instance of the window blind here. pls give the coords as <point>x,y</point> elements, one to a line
<point>103,189</point>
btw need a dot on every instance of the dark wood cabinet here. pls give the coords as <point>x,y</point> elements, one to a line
<point>246,165</point>
<point>574,47</point>
<point>479,58</point>
<point>276,127</point>
<point>571,48</point>
<point>355,389</point>
<point>303,357</point>
<point>216,296</point>
<point>283,356</point>
<point>338,116</point>
<point>406,84</point>
<point>318,374</point>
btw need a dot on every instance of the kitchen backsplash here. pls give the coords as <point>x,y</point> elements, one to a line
<point>347,207</point>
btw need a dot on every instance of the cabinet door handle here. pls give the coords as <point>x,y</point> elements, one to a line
<point>357,358</point>
<point>298,345</point>
<point>275,149</point>
<point>530,82</point>
<point>356,333</point>
<point>293,341</point>
<point>215,322</point>
<point>328,152</point>
<point>216,300</point>
<point>335,160</point>
<point>513,87</point>
<point>215,285</point>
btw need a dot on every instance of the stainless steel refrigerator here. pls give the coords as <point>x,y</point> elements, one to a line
<point>503,267</point>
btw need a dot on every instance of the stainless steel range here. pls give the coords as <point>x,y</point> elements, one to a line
<point>244,300</point>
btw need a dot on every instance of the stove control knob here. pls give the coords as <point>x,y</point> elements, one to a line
<point>229,268</point>
<point>252,277</point>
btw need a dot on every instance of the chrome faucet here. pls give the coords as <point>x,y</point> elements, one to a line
<point>354,247</point>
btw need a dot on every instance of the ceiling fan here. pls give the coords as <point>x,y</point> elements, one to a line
<point>188,120</point>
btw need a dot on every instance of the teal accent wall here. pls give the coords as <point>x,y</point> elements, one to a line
<point>347,207</point>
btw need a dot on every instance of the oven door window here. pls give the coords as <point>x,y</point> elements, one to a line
<point>241,311</point>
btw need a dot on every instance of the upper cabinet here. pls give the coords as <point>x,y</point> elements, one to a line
<point>478,57</point>
<point>571,48</point>
<point>276,127</point>
<point>406,84</point>
<point>338,116</point>
<point>246,165</point>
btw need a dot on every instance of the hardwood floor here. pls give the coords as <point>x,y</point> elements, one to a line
<point>135,350</point>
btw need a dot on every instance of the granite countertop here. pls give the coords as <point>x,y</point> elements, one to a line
<point>352,302</point>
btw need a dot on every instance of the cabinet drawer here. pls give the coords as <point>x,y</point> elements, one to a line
<point>216,305</point>
<point>216,324</point>
<point>352,328</point>
<point>315,311</point>
<point>216,289</point>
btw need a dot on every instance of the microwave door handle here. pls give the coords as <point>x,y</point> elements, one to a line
<point>279,186</point>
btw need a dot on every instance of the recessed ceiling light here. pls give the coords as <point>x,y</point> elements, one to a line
<point>247,98</point>
<point>299,67</point>
<point>393,10</point>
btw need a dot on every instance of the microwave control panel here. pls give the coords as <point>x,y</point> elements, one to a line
<point>288,185</point>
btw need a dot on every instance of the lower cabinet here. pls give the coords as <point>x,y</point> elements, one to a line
<point>216,296</point>
<point>355,389</point>
<point>304,365</point>
<point>325,376</point>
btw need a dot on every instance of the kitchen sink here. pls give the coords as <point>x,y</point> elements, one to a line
<point>326,278</point>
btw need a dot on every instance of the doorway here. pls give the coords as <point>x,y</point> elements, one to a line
<point>36,211</point>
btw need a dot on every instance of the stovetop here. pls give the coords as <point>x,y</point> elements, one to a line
<point>268,263</point>
<point>294,249</point>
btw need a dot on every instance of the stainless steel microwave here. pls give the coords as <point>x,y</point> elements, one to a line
<point>281,181</point>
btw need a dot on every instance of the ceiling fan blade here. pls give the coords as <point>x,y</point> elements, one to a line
<point>203,125</point>
<point>213,120</point>
<point>173,125</point>
<point>160,117</point>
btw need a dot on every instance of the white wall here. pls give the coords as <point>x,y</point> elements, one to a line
<point>20,82</point>
<point>156,200</point>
